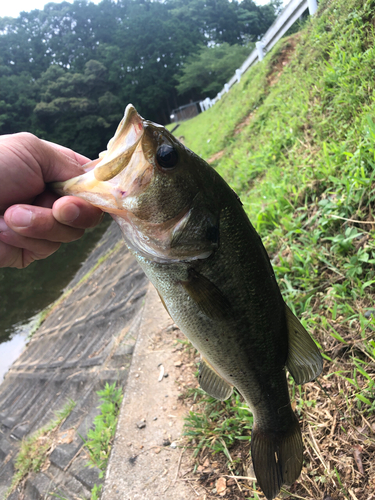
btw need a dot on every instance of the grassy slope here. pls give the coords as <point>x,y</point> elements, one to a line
<point>297,141</point>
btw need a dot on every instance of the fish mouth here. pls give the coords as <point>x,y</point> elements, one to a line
<point>106,181</point>
<point>122,145</point>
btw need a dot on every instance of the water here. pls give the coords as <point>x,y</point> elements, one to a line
<point>12,348</point>
<point>26,292</point>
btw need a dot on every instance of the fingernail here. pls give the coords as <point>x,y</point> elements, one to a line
<point>21,217</point>
<point>70,213</point>
<point>3,226</point>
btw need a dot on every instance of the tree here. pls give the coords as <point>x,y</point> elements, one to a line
<point>18,97</point>
<point>76,110</point>
<point>148,48</point>
<point>221,21</point>
<point>205,73</point>
<point>70,65</point>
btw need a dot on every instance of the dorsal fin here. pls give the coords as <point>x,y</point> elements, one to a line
<point>304,360</point>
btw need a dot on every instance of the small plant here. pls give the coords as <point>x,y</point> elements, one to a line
<point>96,492</point>
<point>100,438</point>
<point>217,424</point>
<point>34,449</point>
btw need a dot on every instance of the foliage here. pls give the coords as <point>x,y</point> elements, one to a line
<point>68,71</point>
<point>217,424</point>
<point>96,492</point>
<point>206,72</point>
<point>235,22</point>
<point>34,449</point>
<point>100,438</point>
<point>77,106</point>
<point>296,138</point>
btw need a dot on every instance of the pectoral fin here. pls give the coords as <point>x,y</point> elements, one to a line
<point>212,383</point>
<point>304,360</point>
<point>210,300</point>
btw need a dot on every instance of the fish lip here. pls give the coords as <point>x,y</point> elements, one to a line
<point>114,159</point>
<point>121,147</point>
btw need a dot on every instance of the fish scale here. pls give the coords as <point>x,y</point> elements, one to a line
<point>190,234</point>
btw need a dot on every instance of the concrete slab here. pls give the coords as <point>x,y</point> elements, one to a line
<point>85,341</point>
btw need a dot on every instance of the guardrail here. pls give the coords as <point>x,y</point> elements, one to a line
<point>287,17</point>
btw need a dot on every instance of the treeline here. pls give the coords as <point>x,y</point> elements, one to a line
<point>67,71</point>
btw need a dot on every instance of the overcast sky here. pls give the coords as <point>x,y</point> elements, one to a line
<point>12,8</point>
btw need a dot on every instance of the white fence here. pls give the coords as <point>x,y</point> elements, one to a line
<point>289,15</point>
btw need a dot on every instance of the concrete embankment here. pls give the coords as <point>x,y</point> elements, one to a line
<point>108,327</point>
<point>87,340</point>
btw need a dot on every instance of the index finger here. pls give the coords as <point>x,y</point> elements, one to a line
<point>82,160</point>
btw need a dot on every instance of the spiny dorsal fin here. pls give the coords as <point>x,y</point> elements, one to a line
<point>212,383</point>
<point>210,300</point>
<point>304,360</point>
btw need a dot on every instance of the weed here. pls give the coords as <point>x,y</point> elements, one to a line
<point>34,450</point>
<point>96,492</point>
<point>99,439</point>
<point>217,424</point>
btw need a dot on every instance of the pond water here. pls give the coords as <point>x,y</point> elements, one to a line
<point>26,292</point>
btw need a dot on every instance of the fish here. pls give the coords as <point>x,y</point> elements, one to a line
<point>189,232</point>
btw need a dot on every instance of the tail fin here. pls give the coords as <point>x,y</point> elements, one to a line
<point>277,458</point>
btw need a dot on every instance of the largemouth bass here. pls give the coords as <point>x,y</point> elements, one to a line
<point>190,234</point>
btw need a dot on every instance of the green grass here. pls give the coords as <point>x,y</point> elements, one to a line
<point>34,450</point>
<point>99,439</point>
<point>298,147</point>
<point>217,424</point>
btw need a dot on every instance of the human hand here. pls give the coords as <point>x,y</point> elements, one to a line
<point>33,220</point>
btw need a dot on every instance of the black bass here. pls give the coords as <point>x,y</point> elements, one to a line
<point>189,232</point>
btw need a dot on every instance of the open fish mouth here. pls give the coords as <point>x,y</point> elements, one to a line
<point>125,181</point>
<point>121,147</point>
<point>106,181</point>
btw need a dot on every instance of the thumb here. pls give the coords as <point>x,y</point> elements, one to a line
<point>59,163</point>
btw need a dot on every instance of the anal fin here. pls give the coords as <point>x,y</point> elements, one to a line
<point>212,383</point>
<point>304,360</point>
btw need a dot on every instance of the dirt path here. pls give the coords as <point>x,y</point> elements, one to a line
<point>147,457</point>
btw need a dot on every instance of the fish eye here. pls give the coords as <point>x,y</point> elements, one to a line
<point>166,156</point>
